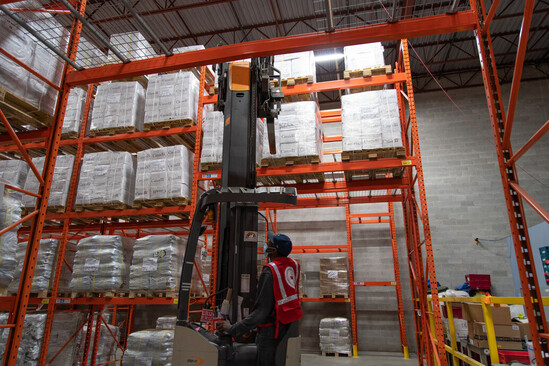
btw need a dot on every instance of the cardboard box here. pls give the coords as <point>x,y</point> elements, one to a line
<point>524,330</point>
<point>473,312</point>
<point>507,336</point>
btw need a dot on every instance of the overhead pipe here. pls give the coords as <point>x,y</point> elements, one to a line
<point>95,32</point>
<point>453,7</point>
<point>38,36</point>
<point>329,16</point>
<point>148,29</point>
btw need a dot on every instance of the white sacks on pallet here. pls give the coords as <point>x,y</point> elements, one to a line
<point>74,112</point>
<point>335,335</point>
<point>44,268</point>
<point>65,324</point>
<point>298,131</point>
<point>131,45</point>
<point>293,65</point>
<point>370,120</point>
<point>172,97</point>
<point>149,347</point>
<point>166,322</point>
<point>118,105</point>
<point>60,184</point>
<point>19,43</point>
<point>164,173</point>
<point>156,263</point>
<point>106,178</point>
<point>362,56</point>
<point>14,172</point>
<point>10,212</point>
<point>31,339</point>
<point>102,264</point>
<point>212,140</point>
<point>106,345</point>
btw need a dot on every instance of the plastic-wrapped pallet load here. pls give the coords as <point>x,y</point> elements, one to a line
<point>333,277</point>
<point>172,100</point>
<point>74,113</point>
<point>106,345</point>
<point>131,45</point>
<point>89,55</point>
<point>106,178</point>
<point>164,174</point>
<point>66,271</point>
<point>156,263</point>
<point>197,288</point>
<point>363,56</point>
<point>212,140</point>
<point>59,186</point>
<point>44,269</point>
<point>370,120</point>
<point>10,212</point>
<point>31,339</point>
<point>65,324</point>
<point>102,264</point>
<point>14,172</point>
<point>166,322</point>
<point>335,335</point>
<point>299,134</point>
<point>294,65</point>
<point>149,347</point>
<point>19,43</point>
<point>118,107</point>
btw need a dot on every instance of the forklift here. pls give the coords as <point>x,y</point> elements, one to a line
<point>246,92</point>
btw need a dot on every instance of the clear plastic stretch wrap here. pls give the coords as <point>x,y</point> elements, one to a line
<point>298,131</point>
<point>59,186</point>
<point>362,56</point>
<point>118,105</point>
<point>10,212</point>
<point>106,178</point>
<point>14,172</point>
<point>44,269</point>
<point>166,322</point>
<point>172,97</point>
<point>335,335</point>
<point>89,55</point>
<point>334,278</point>
<point>74,112</point>
<point>157,262</point>
<point>102,263</point>
<point>164,173</point>
<point>212,140</point>
<point>106,345</point>
<point>65,324</point>
<point>297,64</point>
<point>149,347</point>
<point>131,45</point>
<point>31,339</point>
<point>66,274</point>
<point>370,120</point>
<point>21,44</point>
<point>197,288</point>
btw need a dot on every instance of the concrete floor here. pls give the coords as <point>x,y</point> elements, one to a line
<point>364,359</point>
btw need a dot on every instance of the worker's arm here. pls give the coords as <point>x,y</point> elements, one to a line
<point>264,306</point>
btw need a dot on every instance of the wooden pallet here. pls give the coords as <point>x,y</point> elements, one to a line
<point>187,122</point>
<point>300,80</point>
<point>162,202</point>
<point>141,79</point>
<point>93,294</point>
<point>21,113</point>
<point>112,131</point>
<point>205,167</point>
<point>368,72</point>
<point>51,209</point>
<point>102,206</point>
<point>334,296</point>
<point>297,160</point>
<point>336,354</point>
<point>368,154</point>
<point>151,294</point>
<point>69,135</point>
<point>4,291</point>
<point>213,90</point>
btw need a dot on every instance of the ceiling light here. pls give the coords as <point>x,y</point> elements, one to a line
<point>331,57</point>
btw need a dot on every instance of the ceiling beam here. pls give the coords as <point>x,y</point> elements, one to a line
<point>410,28</point>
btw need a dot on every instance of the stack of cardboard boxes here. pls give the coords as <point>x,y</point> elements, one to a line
<point>334,279</point>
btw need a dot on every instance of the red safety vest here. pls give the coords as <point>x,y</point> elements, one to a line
<point>285,286</point>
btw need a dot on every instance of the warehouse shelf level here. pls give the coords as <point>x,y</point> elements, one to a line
<point>394,179</point>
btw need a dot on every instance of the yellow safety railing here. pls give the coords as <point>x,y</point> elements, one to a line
<point>486,302</point>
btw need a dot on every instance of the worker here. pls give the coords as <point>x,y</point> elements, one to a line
<point>277,305</point>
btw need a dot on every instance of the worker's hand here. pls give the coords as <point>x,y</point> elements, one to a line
<point>223,325</point>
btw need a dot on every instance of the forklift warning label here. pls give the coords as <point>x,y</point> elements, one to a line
<point>250,236</point>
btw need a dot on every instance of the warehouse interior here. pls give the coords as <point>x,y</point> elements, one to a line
<point>112,130</point>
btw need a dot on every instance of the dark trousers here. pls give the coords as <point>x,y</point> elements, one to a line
<point>267,344</point>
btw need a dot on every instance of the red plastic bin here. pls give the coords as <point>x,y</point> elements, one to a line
<point>513,356</point>
<point>457,311</point>
<point>478,281</point>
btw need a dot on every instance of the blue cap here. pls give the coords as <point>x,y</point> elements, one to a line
<point>282,243</point>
